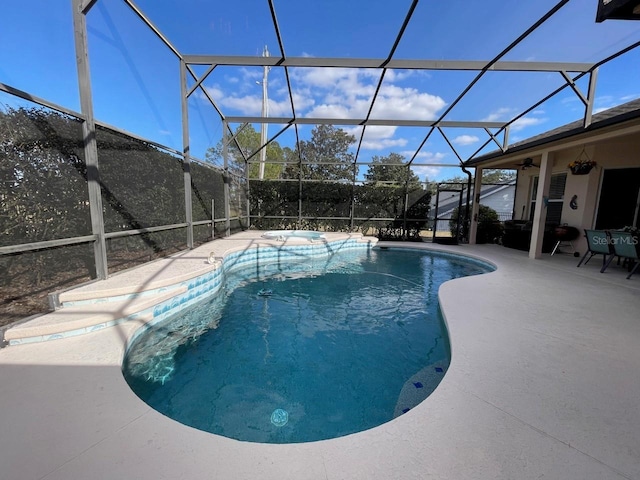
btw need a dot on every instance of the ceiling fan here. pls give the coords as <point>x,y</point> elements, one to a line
<point>528,163</point>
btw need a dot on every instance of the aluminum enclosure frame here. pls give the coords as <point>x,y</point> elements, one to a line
<point>492,129</point>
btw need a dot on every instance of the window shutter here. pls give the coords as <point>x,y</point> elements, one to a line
<point>556,189</point>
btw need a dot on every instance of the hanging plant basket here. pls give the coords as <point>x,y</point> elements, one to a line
<point>581,169</point>
<point>581,165</point>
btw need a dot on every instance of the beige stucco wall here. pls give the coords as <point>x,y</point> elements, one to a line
<point>618,153</point>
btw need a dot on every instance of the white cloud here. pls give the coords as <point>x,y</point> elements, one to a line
<point>569,99</point>
<point>329,111</point>
<point>332,78</point>
<point>251,104</point>
<point>214,92</point>
<point>397,103</point>
<point>400,75</point>
<point>251,74</point>
<point>333,93</point>
<point>505,114</point>
<point>604,102</point>
<point>437,174</point>
<point>282,108</point>
<point>377,137</point>
<point>247,105</point>
<point>604,99</point>
<point>347,92</point>
<point>501,114</point>
<point>465,140</point>
<point>426,157</point>
<point>525,122</point>
<point>391,103</point>
<point>426,173</point>
<point>383,143</point>
<point>339,107</point>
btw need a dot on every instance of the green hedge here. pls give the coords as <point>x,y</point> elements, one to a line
<point>372,202</point>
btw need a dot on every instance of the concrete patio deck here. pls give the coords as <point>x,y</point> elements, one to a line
<point>544,383</point>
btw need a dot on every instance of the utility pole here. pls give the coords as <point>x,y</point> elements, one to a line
<point>265,113</point>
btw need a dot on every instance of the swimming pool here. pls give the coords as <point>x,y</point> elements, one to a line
<point>305,350</point>
<point>284,234</point>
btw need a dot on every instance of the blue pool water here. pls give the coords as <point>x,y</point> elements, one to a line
<point>305,350</point>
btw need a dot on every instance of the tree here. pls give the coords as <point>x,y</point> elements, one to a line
<point>391,168</point>
<point>384,192</point>
<point>249,140</point>
<point>326,156</point>
<point>391,188</point>
<point>492,175</point>
<point>291,158</point>
<point>495,175</point>
<point>489,226</point>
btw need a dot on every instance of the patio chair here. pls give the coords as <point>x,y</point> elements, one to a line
<point>625,245</point>
<point>598,243</point>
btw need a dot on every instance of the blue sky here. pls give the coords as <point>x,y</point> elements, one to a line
<point>136,79</point>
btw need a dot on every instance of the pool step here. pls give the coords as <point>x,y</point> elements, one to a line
<point>115,289</point>
<point>86,318</point>
<point>71,299</point>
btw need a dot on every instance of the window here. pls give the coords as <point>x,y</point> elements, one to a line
<point>556,198</point>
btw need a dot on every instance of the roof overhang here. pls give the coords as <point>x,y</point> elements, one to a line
<point>618,10</point>
<point>569,136</point>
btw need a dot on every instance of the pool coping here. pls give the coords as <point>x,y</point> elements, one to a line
<point>542,382</point>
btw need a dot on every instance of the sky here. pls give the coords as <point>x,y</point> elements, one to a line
<point>136,87</point>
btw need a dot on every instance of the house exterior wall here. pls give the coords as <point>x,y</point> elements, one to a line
<point>623,152</point>
<point>501,201</point>
<point>584,188</point>
<point>619,153</point>
<point>524,185</point>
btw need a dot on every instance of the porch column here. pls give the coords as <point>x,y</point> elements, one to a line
<point>475,206</point>
<point>540,213</point>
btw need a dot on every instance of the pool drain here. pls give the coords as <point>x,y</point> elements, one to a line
<point>279,417</point>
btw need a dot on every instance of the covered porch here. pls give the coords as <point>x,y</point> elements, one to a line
<point>604,195</point>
